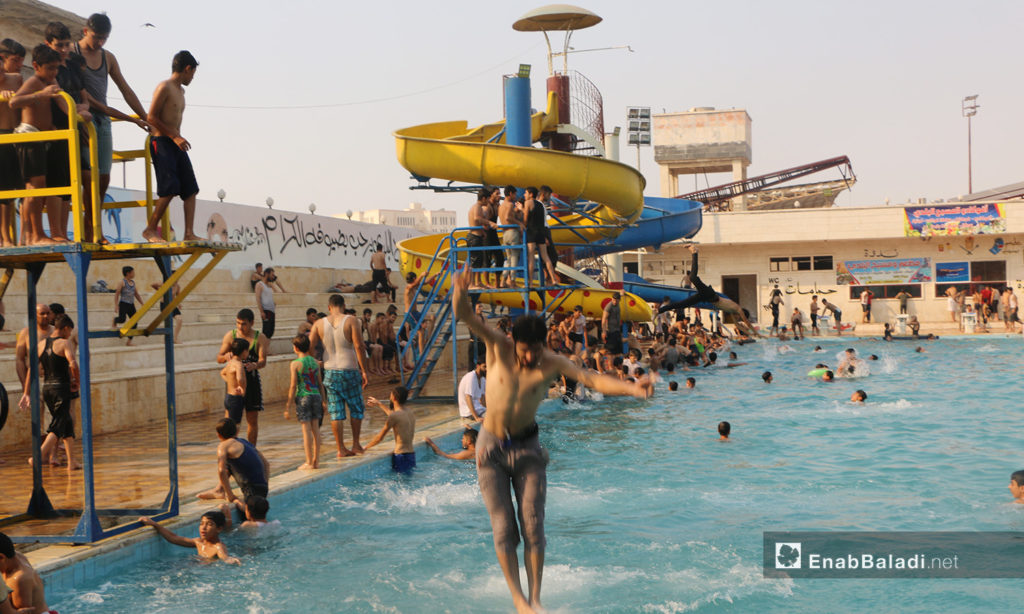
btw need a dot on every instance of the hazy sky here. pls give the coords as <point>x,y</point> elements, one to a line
<point>881,82</point>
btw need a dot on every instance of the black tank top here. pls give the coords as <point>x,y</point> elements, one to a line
<point>253,357</point>
<point>535,221</point>
<point>56,368</point>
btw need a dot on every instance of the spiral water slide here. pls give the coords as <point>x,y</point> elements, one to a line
<point>453,151</point>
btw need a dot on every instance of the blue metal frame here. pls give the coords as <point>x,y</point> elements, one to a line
<point>89,528</point>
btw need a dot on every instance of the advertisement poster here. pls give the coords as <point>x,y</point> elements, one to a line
<point>949,272</point>
<point>948,220</point>
<point>882,272</point>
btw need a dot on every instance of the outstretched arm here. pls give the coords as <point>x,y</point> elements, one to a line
<point>464,311</point>
<point>167,534</point>
<point>602,383</point>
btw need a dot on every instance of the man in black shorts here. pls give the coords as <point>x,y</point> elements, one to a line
<point>480,222</point>
<point>256,360</point>
<point>174,174</point>
<point>59,369</point>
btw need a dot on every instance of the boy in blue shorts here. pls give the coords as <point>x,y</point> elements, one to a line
<point>403,459</point>
<point>306,395</point>
<point>233,374</point>
<point>174,174</point>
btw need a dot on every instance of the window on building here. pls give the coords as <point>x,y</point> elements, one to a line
<point>991,273</point>
<point>822,263</point>
<point>801,263</point>
<point>886,291</point>
<point>778,264</point>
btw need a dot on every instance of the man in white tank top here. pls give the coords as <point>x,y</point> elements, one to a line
<point>344,371</point>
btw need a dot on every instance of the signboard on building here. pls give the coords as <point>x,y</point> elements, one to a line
<point>275,238</point>
<point>951,272</point>
<point>883,272</point>
<point>946,220</point>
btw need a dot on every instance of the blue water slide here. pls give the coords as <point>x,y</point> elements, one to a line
<point>662,220</point>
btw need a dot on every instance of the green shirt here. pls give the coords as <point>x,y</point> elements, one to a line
<point>308,383</point>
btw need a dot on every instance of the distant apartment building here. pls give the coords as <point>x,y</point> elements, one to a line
<point>415,216</point>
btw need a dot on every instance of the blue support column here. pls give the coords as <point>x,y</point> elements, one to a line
<point>171,502</point>
<point>38,504</point>
<point>517,112</point>
<point>89,525</point>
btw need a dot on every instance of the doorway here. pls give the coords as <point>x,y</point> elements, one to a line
<point>743,290</point>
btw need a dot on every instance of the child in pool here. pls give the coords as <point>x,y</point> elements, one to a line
<point>208,544</point>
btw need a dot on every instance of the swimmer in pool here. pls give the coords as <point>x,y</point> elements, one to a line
<point>723,431</point>
<point>208,544</point>
<point>255,511</point>
<point>859,396</point>
<point>468,451</point>
<point>27,593</point>
<point>508,452</point>
<point>1017,486</point>
<point>818,348</point>
<point>920,350</point>
<point>767,377</point>
<point>691,383</point>
<point>828,376</point>
<point>673,386</point>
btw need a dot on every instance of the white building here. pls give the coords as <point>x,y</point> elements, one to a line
<point>415,216</point>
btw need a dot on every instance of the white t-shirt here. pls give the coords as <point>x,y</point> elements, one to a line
<point>474,387</point>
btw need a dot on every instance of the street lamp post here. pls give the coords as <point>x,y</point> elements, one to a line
<point>969,108</point>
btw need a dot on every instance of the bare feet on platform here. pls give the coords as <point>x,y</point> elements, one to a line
<point>152,236</point>
<point>306,467</point>
<point>43,241</point>
<point>346,453</point>
<point>216,493</point>
<point>192,237</point>
<point>358,449</point>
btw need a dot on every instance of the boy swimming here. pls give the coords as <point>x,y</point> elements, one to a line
<point>208,544</point>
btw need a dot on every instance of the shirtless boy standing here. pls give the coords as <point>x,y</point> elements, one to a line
<point>233,375</point>
<point>208,544</point>
<point>12,55</point>
<point>174,174</point>
<point>508,450</point>
<point>27,594</point>
<point>403,459</point>
<point>43,164</point>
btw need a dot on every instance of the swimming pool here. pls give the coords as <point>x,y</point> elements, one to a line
<point>647,512</point>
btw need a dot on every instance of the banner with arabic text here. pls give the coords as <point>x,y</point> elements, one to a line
<point>947,220</point>
<point>882,272</point>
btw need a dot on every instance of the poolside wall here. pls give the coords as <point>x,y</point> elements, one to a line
<point>743,243</point>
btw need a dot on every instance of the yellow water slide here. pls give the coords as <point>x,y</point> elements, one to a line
<point>453,151</point>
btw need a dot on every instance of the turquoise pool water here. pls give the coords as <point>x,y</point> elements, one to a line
<point>647,512</point>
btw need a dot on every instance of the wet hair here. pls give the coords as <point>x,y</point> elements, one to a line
<point>258,507</point>
<point>483,193</point>
<point>227,428</point>
<point>691,380</point>
<point>182,60</point>
<point>638,372</point>
<point>471,433</point>
<point>401,394</point>
<point>531,191</point>
<point>125,270</point>
<point>216,517</point>
<point>821,365</point>
<point>766,376</point>
<point>724,428</point>
<point>99,23</point>
<point>9,46</point>
<point>411,277</point>
<point>42,55</point>
<point>863,395</point>
<point>301,343</point>
<point>239,346</point>
<point>732,355</point>
<point>673,385</point>
<point>55,31</point>
<point>246,315</point>
<point>529,329</point>
<point>56,309</point>
<point>873,357</point>
<point>63,321</point>
<point>817,347</point>
<point>617,361</point>
<point>310,311</point>
<point>670,367</point>
<point>851,351</point>
<point>672,340</point>
<point>828,375</point>
<point>1016,476</point>
<point>712,356</point>
<point>7,546</point>
<point>336,300</point>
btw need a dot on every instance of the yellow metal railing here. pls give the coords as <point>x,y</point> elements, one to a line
<point>70,135</point>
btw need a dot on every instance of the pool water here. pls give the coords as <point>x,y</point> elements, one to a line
<point>647,512</point>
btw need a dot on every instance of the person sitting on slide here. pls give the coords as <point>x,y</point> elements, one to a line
<point>705,294</point>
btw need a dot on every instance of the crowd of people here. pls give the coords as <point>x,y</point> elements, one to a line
<point>82,70</point>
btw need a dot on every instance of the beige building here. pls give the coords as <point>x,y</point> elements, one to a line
<point>836,252</point>
<point>415,216</point>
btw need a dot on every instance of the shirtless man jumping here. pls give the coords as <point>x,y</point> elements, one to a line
<point>705,294</point>
<point>508,450</point>
<point>174,175</point>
